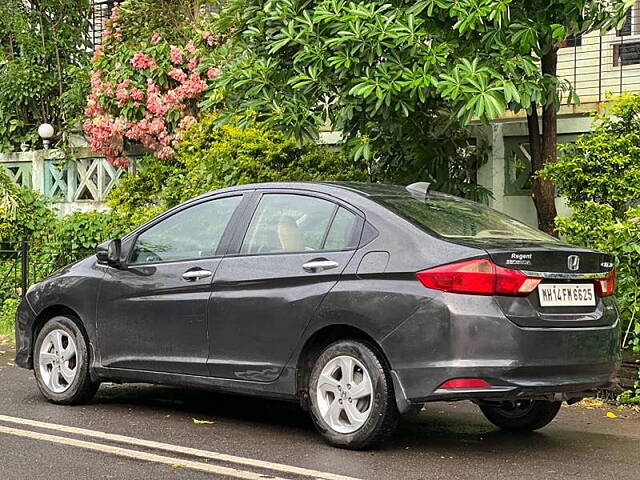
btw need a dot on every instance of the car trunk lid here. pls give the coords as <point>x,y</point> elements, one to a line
<point>562,268</point>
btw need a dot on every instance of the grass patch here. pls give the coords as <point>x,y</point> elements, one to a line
<point>8,310</point>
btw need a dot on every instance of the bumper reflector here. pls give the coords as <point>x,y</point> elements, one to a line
<point>464,383</point>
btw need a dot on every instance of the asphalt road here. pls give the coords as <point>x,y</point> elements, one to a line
<point>146,432</point>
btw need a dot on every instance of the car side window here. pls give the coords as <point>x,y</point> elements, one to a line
<point>295,223</point>
<point>342,233</point>
<point>189,234</point>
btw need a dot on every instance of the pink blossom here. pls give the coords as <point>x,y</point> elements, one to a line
<point>192,88</point>
<point>178,75</point>
<point>187,122</point>
<point>97,54</point>
<point>137,94</point>
<point>176,55</point>
<point>155,39</point>
<point>157,127</point>
<point>193,64</point>
<point>191,48</point>
<point>213,72</point>
<point>209,38</point>
<point>152,88</point>
<point>142,61</point>
<point>166,153</point>
<point>121,162</point>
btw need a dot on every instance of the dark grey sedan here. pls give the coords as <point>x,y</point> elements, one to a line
<point>360,301</point>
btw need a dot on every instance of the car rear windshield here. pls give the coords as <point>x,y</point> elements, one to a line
<point>453,218</point>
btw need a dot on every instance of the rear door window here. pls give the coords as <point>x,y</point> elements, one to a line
<point>287,223</point>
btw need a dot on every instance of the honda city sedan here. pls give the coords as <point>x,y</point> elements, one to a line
<point>362,302</point>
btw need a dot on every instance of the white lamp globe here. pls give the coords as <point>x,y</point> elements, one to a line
<point>46,131</point>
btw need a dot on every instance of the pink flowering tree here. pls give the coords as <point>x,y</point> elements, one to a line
<point>145,90</point>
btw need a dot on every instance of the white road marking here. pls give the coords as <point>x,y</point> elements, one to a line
<point>223,457</point>
<point>137,455</point>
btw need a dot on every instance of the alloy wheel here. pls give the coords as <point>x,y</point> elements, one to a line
<point>344,394</point>
<point>58,361</point>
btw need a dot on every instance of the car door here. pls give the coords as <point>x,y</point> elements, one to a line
<point>265,291</point>
<point>152,312</point>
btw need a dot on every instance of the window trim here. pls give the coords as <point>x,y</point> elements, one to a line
<point>224,239</point>
<point>254,202</point>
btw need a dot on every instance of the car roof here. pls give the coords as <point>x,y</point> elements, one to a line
<point>364,189</point>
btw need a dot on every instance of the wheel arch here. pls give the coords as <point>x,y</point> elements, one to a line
<point>60,310</point>
<point>326,336</point>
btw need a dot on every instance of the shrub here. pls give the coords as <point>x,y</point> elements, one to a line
<point>22,211</point>
<point>600,177</point>
<point>76,236</point>
<point>8,309</point>
<point>147,78</point>
<point>212,156</point>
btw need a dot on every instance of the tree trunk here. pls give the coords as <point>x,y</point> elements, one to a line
<point>544,151</point>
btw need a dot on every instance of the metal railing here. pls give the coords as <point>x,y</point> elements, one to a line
<point>14,268</point>
<point>100,11</point>
<point>601,65</point>
<point>85,178</point>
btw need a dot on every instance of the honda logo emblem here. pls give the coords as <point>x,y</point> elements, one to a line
<point>573,262</point>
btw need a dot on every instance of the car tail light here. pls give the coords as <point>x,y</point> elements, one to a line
<point>464,383</point>
<point>479,276</point>
<point>606,286</point>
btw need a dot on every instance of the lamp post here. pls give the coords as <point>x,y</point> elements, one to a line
<point>46,132</point>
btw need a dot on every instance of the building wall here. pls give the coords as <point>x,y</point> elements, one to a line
<point>508,196</point>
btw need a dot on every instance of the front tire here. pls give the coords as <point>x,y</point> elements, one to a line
<point>61,363</point>
<point>351,396</point>
<point>521,415</point>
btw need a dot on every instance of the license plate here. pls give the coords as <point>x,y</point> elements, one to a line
<point>566,295</point>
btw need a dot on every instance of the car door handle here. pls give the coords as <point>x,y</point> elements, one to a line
<point>315,266</point>
<point>193,275</point>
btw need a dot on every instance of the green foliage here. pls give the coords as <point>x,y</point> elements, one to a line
<point>172,19</point>
<point>76,236</point>
<point>43,50</point>
<point>22,211</point>
<point>599,176</point>
<point>631,396</point>
<point>386,73</point>
<point>137,197</point>
<point>8,309</point>
<point>212,156</point>
<point>604,165</point>
<point>216,156</point>
<point>596,226</point>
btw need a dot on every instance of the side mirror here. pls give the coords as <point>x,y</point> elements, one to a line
<point>109,253</point>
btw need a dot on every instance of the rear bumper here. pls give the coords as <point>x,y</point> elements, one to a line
<point>464,336</point>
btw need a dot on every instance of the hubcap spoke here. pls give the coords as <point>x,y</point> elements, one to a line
<point>69,352</point>
<point>47,358</point>
<point>67,373</point>
<point>328,383</point>
<point>362,389</point>
<point>332,417</point>
<point>356,417</point>
<point>56,339</point>
<point>54,380</point>
<point>346,366</point>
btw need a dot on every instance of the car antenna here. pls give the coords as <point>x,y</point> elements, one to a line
<point>419,190</point>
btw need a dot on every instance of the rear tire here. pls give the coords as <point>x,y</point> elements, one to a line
<point>61,363</point>
<point>351,396</point>
<point>522,415</point>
